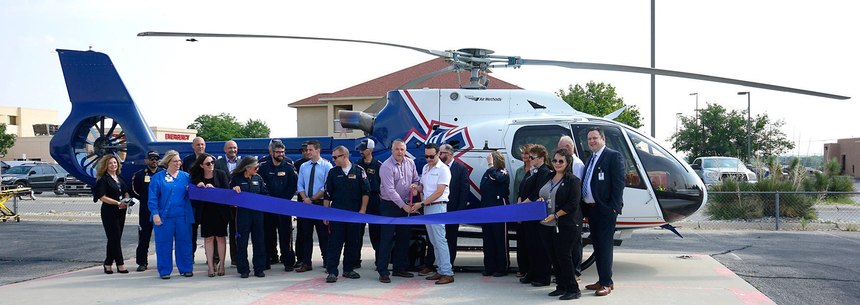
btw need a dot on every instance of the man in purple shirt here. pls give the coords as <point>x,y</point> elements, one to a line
<point>398,181</point>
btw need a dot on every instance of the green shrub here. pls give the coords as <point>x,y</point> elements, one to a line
<point>738,205</point>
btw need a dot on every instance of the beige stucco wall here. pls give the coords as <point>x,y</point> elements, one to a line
<point>311,121</point>
<point>26,118</point>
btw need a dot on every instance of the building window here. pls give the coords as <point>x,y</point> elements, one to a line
<point>337,128</point>
<point>13,120</point>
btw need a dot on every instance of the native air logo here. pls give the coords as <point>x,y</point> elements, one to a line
<point>484,99</point>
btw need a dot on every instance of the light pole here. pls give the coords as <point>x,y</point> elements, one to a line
<point>747,93</point>
<point>677,118</point>
<point>698,125</point>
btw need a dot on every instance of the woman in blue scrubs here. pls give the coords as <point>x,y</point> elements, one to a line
<point>172,216</point>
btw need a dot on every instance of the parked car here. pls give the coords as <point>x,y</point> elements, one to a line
<point>41,177</point>
<point>714,170</point>
<point>75,187</point>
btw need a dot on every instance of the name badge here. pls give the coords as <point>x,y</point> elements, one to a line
<point>146,179</point>
<point>600,176</point>
<point>351,176</point>
<point>258,183</point>
<point>371,171</point>
<point>168,178</point>
<point>281,174</point>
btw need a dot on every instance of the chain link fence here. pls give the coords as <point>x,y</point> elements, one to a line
<point>777,211</point>
<point>50,207</point>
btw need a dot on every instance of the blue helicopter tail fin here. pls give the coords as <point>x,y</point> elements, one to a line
<point>103,120</point>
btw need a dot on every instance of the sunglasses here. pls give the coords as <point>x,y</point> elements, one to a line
<point>334,157</point>
<point>557,161</point>
<point>153,158</point>
<point>429,156</point>
<point>209,163</point>
<point>533,157</point>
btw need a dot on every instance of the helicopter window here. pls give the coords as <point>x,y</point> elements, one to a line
<point>614,140</point>
<point>546,135</point>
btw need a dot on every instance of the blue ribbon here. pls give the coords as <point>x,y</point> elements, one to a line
<point>507,213</point>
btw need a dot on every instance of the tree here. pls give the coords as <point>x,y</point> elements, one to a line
<point>255,129</point>
<point>223,127</point>
<point>724,133</point>
<point>6,140</point>
<point>600,100</point>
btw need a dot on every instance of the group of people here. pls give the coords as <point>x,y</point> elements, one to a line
<point>390,188</point>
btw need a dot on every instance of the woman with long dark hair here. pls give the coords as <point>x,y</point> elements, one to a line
<point>110,188</point>
<point>539,267</point>
<point>562,227</point>
<point>213,216</point>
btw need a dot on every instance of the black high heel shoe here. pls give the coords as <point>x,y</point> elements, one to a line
<point>108,269</point>
<point>121,271</point>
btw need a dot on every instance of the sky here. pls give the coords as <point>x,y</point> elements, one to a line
<point>803,44</point>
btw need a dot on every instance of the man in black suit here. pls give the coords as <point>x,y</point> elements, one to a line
<point>228,164</point>
<point>602,194</point>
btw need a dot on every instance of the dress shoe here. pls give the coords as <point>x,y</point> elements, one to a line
<point>121,270</point>
<point>187,274</point>
<point>304,268</point>
<point>570,295</point>
<point>603,291</point>
<point>521,274</point>
<point>244,275</point>
<point>384,279</point>
<point>500,274</point>
<point>259,274</point>
<point>141,268</point>
<point>486,273</point>
<point>297,265</point>
<point>425,271</point>
<point>597,286</point>
<point>165,277</point>
<point>351,275</point>
<point>402,274</point>
<point>556,292</point>
<point>274,260</point>
<point>434,277</point>
<point>525,280</point>
<point>445,279</point>
<point>288,268</point>
<point>539,284</point>
<point>331,278</point>
<point>108,270</point>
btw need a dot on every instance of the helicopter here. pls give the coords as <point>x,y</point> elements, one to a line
<point>661,188</point>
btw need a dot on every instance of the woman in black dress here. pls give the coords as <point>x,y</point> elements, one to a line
<point>214,216</point>
<point>539,266</point>
<point>110,189</point>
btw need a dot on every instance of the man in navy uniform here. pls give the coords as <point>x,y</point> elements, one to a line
<point>346,188</point>
<point>140,190</point>
<point>371,167</point>
<point>281,179</point>
<point>602,192</point>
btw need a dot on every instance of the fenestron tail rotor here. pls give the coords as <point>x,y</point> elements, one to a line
<point>98,136</point>
<point>479,61</point>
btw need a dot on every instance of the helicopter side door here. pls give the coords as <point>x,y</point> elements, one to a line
<point>519,135</point>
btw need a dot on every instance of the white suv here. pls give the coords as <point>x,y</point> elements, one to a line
<point>714,170</point>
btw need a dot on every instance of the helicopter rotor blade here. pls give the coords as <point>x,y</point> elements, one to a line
<point>444,54</point>
<point>663,72</point>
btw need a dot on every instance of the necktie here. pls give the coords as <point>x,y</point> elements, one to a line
<point>310,191</point>
<point>587,176</point>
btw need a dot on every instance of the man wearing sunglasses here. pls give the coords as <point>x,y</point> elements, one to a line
<point>140,191</point>
<point>435,178</point>
<point>346,188</point>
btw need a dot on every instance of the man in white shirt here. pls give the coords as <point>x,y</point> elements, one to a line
<point>578,167</point>
<point>435,179</point>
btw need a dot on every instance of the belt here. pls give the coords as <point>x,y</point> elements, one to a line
<point>437,202</point>
<point>591,205</point>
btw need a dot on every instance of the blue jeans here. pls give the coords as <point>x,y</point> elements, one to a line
<point>437,238</point>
